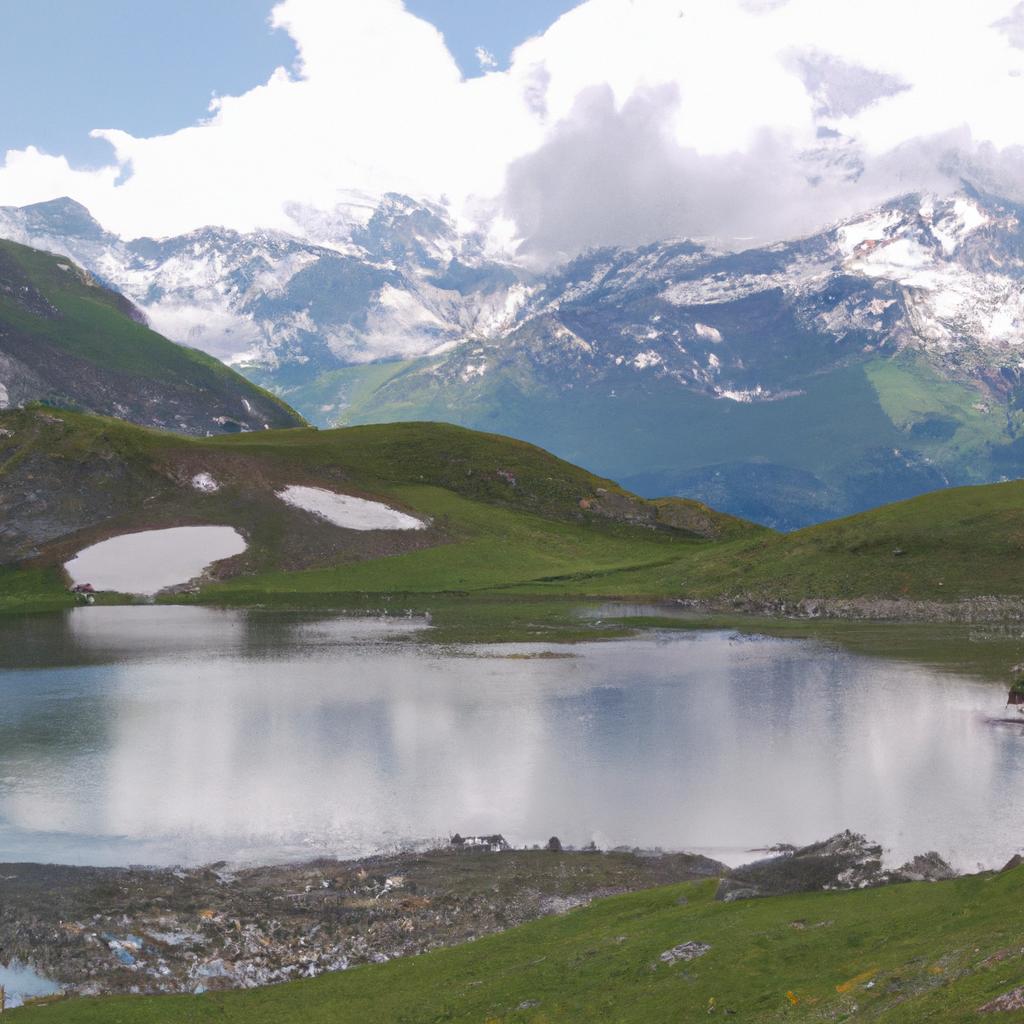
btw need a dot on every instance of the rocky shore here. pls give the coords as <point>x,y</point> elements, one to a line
<point>130,930</point>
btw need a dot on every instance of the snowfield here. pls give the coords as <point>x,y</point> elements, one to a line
<point>147,562</point>
<point>349,512</point>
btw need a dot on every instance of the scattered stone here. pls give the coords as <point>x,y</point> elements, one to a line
<point>684,952</point>
<point>1012,1000</point>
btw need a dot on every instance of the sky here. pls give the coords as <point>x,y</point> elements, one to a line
<point>549,126</point>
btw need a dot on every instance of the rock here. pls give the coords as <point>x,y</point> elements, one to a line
<point>730,889</point>
<point>925,867</point>
<point>1012,1000</point>
<point>684,952</point>
<point>1014,862</point>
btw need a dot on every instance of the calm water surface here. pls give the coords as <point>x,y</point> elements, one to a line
<point>175,735</point>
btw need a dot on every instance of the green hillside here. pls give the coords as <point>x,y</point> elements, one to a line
<point>903,953</point>
<point>505,519</point>
<point>500,512</point>
<point>872,431</point>
<point>68,341</point>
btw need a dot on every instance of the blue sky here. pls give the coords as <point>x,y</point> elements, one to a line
<point>150,68</point>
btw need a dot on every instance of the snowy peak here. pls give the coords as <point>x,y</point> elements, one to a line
<point>62,217</point>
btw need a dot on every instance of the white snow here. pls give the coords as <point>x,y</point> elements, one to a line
<point>646,359</point>
<point>347,511</point>
<point>5,398</point>
<point>147,562</point>
<point>205,482</point>
<point>708,332</point>
<point>871,229</point>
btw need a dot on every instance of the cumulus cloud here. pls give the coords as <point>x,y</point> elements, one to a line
<point>625,121</point>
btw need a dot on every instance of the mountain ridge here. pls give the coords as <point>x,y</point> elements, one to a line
<point>873,360</point>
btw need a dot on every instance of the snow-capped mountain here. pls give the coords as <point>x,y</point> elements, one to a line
<point>876,359</point>
<point>397,282</point>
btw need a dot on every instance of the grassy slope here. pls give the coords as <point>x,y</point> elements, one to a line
<point>962,542</point>
<point>488,532</point>
<point>531,539</point>
<point>95,326</point>
<point>933,952</point>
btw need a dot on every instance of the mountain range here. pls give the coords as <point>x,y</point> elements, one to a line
<point>875,360</point>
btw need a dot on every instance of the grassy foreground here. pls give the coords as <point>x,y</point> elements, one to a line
<point>904,953</point>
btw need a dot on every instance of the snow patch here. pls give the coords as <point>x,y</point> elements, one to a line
<point>5,398</point>
<point>708,332</point>
<point>205,482</point>
<point>348,512</point>
<point>147,562</point>
<point>870,229</point>
<point>646,359</point>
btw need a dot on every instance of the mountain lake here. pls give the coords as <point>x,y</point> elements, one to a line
<point>180,735</point>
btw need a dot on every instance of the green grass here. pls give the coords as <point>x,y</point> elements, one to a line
<point>906,953</point>
<point>959,543</point>
<point>32,590</point>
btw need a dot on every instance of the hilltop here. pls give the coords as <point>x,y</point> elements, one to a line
<point>68,341</point>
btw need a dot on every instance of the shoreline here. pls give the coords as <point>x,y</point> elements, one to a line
<point>108,931</point>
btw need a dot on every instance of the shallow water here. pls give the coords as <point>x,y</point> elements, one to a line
<point>20,983</point>
<point>146,562</point>
<point>172,735</point>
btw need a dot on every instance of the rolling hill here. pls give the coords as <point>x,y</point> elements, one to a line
<point>501,518</point>
<point>497,512</point>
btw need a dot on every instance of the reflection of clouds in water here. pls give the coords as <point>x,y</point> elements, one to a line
<point>682,741</point>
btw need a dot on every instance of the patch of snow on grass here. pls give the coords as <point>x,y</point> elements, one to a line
<point>349,512</point>
<point>205,483</point>
<point>147,562</point>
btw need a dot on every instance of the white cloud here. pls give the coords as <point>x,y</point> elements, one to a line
<point>485,58</point>
<point>625,119</point>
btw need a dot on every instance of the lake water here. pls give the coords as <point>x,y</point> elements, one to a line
<point>179,735</point>
<point>20,983</point>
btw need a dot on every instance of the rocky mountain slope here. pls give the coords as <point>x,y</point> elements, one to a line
<point>814,378</point>
<point>875,360</point>
<point>397,280</point>
<point>66,340</point>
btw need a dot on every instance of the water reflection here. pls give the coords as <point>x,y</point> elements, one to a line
<point>190,735</point>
